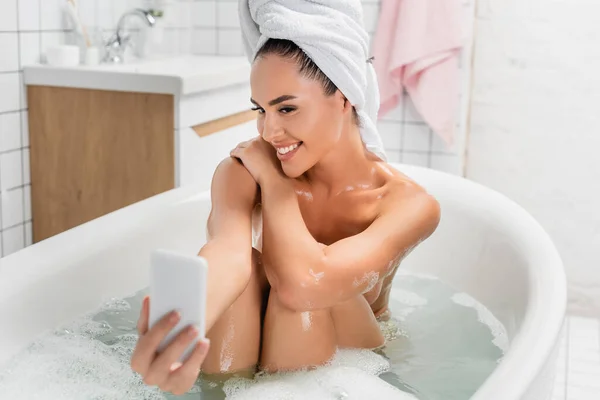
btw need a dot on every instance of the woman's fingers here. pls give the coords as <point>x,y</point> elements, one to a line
<point>184,377</point>
<point>161,367</point>
<point>239,148</point>
<point>146,347</point>
<point>142,325</point>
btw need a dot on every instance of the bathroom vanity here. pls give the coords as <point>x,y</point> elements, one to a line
<point>107,136</point>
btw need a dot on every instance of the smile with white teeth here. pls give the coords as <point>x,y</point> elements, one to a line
<point>285,150</point>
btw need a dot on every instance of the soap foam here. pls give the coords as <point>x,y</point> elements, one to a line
<point>370,278</point>
<point>486,317</point>
<point>115,305</point>
<point>70,367</point>
<point>87,328</point>
<point>71,363</point>
<point>351,374</point>
<point>408,298</point>
<point>418,275</point>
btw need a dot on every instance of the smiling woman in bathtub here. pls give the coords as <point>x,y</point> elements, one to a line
<point>333,219</point>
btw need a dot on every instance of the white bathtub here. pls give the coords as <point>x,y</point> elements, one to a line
<point>486,245</point>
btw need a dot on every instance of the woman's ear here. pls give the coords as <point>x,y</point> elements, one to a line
<point>347,106</point>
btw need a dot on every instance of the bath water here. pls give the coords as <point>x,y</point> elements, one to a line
<point>442,345</point>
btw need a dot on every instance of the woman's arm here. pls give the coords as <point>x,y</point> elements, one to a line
<point>228,252</point>
<point>229,246</point>
<point>308,275</point>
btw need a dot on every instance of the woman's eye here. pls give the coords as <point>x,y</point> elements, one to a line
<point>286,110</point>
<point>259,109</point>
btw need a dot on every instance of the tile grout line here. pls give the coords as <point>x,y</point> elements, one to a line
<point>16,150</point>
<point>21,84</point>
<point>1,191</point>
<point>13,111</point>
<point>22,186</point>
<point>16,225</point>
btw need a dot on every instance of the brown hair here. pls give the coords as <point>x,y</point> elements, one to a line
<point>306,66</point>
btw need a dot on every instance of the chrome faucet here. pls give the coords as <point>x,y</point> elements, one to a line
<point>115,46</point>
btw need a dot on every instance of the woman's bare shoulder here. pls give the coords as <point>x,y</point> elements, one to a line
<point>406,196</point>
<point>232,180</point>
<point>395,180</point>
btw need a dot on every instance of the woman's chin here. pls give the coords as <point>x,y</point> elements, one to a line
<point>292,171</point>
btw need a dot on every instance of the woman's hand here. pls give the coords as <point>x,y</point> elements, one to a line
<point>164,370</point>
<point>259,158</point>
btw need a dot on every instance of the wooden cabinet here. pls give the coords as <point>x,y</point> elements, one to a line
<point>95,151</point>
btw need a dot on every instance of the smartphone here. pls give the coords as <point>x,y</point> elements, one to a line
<point>178,282</point>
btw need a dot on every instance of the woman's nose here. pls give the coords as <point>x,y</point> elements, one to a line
<point>271,129</point>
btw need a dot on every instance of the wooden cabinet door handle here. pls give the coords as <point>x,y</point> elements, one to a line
<point>217,125</point>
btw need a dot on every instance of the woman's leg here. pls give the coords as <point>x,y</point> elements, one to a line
<point>294,340</point>
<point>355,325</point>
<point>235,337</point>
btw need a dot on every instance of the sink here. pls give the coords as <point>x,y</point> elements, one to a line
<point>181,75</point>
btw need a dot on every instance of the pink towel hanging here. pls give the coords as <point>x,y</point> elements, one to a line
<point>416,47</point>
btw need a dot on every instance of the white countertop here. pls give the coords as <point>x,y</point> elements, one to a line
<point>181,75</point>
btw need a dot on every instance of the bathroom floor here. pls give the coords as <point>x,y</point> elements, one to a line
<point>578,374</point>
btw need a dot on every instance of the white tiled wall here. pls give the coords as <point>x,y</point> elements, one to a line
<point>406,137</point>
<point>27,29</point>
<point>17,28</point>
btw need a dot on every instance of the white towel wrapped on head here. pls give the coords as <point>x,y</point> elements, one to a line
<point>332,34</point>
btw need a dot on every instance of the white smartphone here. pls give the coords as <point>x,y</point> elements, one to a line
<point>178,282</point>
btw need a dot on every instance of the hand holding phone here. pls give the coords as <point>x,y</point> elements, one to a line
<point>171,348</point>
<point>178,283</point>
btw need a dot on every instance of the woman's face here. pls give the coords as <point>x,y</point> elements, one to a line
<point>295,116</point>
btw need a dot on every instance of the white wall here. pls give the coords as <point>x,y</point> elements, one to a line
<point>535,131</point>
<point>27,29</point>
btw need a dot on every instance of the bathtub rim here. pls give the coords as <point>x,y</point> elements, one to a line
<point>546,290</point>
<point>511,379</point>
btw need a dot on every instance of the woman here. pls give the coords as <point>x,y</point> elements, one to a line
<point>333,219</point>
<point>336,222</point>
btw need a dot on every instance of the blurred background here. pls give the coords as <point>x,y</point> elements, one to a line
<point>527,117</point>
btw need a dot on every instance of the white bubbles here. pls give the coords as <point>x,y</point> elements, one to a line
<point>85,359</point>
<point>418,275</point>
<point>115,304</point>
<point>370,278</point>
<point>390,329</point>
<point>351,374</point>
<point>366,360</point>
<point>486,317</point>
<point>408,298</point>
<point>86,327</point>
<point>70,367</point>
<point>90,357</point>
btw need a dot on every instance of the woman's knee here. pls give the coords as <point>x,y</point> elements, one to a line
<point>293,339</point>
